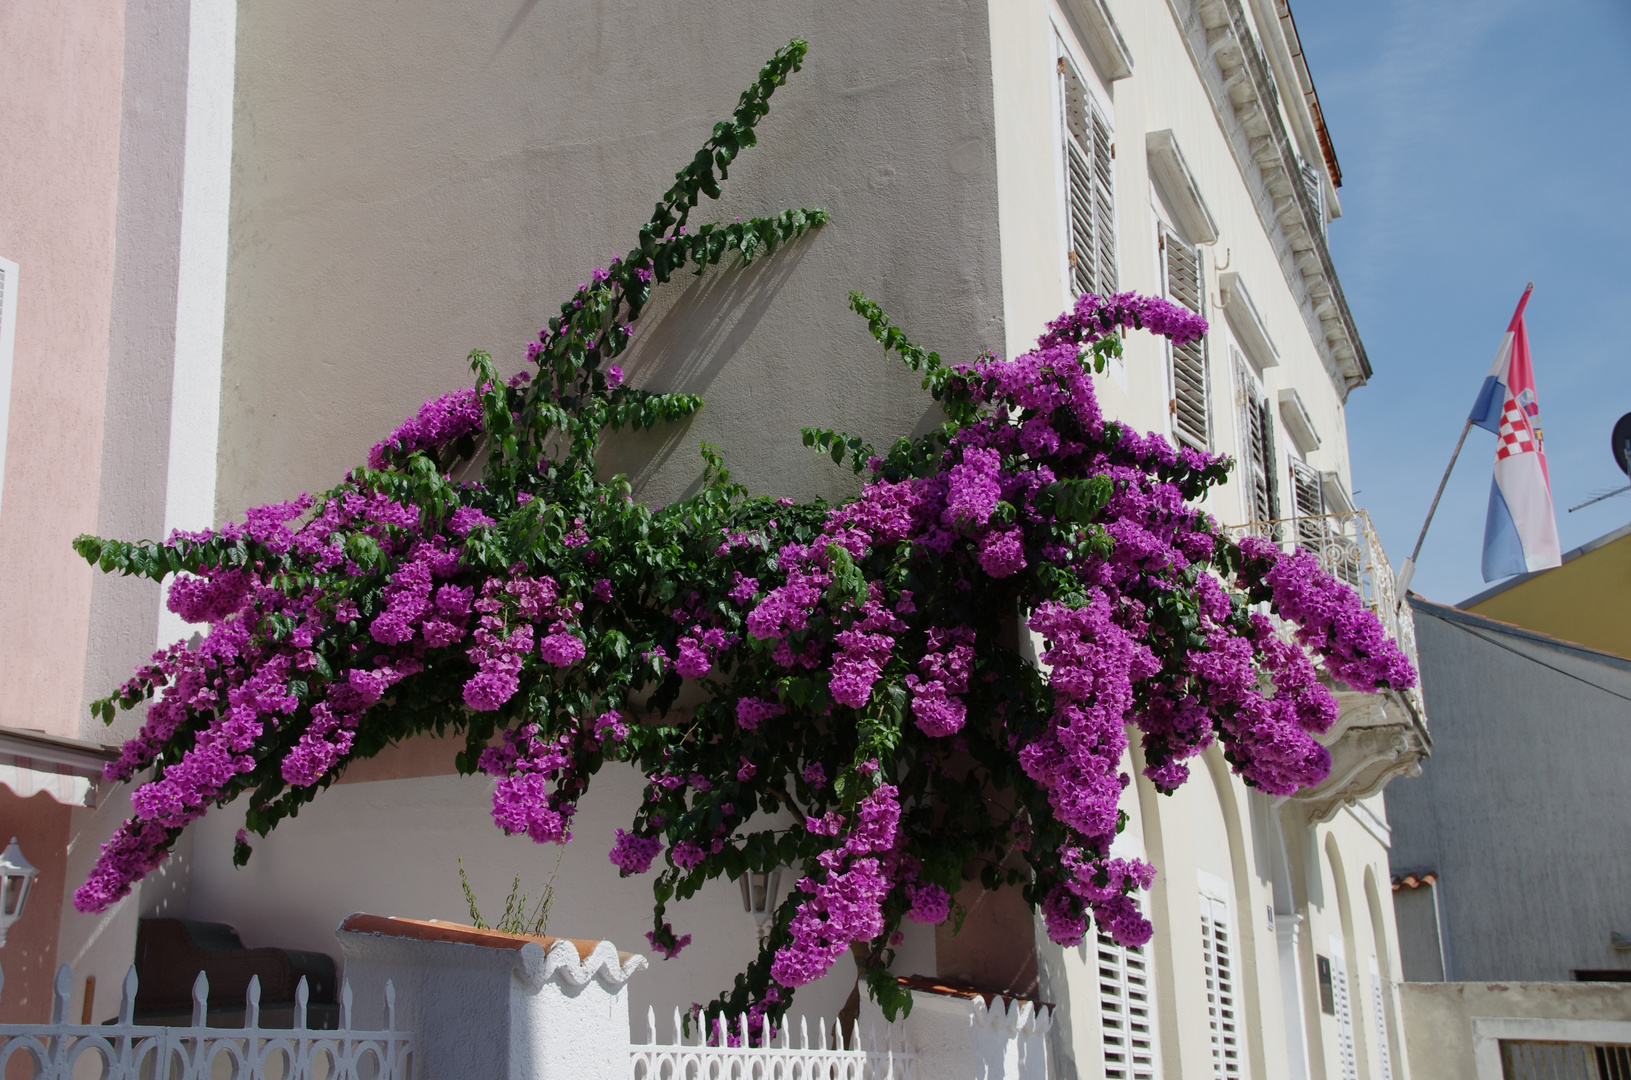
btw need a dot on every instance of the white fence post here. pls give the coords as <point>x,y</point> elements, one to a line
<point>499,1006</point>
<point>726,1052</point>
<point>125,1050</point>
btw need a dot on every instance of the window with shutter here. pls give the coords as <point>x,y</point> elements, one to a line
<point>1344,1013</point>
<point>1104,203</point>
<point>1218,959</point>
<point>1384,1054</point>
<point>1126,1012</point>
<point>1330,536</point>
<point>1308,506</point>
<point>1090,205</point>
<point>1184,283</point>
<point>1256,446</point>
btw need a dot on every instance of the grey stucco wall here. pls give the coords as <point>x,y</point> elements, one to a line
<point>416,180</point>
<point>1524,809</point>
<point>1421,943</point>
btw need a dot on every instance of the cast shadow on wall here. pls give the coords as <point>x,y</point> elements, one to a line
<point>684,345</point>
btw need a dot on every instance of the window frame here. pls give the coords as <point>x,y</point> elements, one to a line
<point>1306,489</point>
<point>1254,444</point>
<point>1384,1047</point>
<point>1193,358</point>
<point>1220,963</point>
<point>1126,985</point>
<point>1342,999</point>
<point>1075,95</point>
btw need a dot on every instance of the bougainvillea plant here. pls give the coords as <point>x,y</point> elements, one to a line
<point>930,682</point>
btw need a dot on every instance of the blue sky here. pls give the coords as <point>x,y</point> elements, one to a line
<point>1483,144</point>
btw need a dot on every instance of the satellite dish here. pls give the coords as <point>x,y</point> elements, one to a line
<point>1622,443</point>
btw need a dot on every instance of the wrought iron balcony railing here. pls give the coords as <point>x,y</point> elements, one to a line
<point>1347,548</point>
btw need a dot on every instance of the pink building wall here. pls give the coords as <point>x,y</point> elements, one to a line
<point>59,176</point>
<point>29,956</point>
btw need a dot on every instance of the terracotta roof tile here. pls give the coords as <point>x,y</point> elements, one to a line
<point>1413,881</point>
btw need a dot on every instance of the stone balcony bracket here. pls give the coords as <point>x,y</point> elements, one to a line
<point>1376,738</point>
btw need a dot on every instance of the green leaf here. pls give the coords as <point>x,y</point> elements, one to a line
<point>893,998</point>
<point>915,356</point>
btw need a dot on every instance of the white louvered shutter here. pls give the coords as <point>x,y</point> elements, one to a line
<point>1384,1053</point>
<point>1256,446</point>
<point>1218,957</point>
<point>1104,202</point>
<point>1344,1011</point>
<point>1184,283</point>
<point>1126,1012</point>
<point>1090,203</point>
<point>1308,506</point>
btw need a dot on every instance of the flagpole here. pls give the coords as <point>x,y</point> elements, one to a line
<point>1408,569</point>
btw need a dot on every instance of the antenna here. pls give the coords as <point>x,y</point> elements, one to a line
<point>1600,498</point>
<point>1620,445</point>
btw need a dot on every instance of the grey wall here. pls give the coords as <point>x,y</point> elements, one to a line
<point>416,179</point>
<point>1421,941</point>
<point>1524,809</point>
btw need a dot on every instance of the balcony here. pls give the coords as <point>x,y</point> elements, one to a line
<point>1377,736</point>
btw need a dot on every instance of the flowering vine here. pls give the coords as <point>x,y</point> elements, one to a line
<point>931,682</point>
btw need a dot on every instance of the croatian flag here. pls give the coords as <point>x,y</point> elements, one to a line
<point>1520,530</point>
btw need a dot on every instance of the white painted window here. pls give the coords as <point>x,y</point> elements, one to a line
<point>1308,506</point>
<point>1344,1012</point>
<point>8,342</point>
<point>1384,1053</point>
<point>1090,201</point>
<point>1255,446</point>
<point>1183,281</point>
<point>1126,1012</point>
<point>1307,493</point>
<point>1219,962</point>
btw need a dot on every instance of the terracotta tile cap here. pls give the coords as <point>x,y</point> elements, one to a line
<point>459,934</point>
<point>1413,881</point>
<point>927,984</point>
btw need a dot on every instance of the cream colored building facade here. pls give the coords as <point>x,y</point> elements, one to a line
<point>389,192</point>
<point>1219,156</point>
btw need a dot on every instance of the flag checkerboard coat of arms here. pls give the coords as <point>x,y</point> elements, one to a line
<point>1520,528</point>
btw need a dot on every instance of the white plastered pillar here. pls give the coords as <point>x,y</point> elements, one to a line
<point>503,1006</point>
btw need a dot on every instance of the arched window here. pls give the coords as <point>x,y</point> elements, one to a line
<point>1341,1003</point>
<point>1381,981</point>
<point>1220,958</point>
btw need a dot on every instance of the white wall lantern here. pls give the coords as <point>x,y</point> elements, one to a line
<point>16,875</point>
<point>759,897</point>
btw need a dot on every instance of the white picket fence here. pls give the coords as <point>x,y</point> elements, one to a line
<point>124,1050</point>
<point>779,1056</point>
